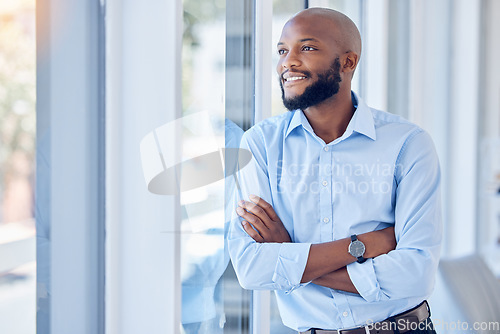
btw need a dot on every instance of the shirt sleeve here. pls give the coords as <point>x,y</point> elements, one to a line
<point>409,270</point>
<point>261,266</point>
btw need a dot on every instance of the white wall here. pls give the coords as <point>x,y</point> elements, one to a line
<point>444,76</point>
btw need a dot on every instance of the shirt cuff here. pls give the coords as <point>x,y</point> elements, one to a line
<point>292,260</point>
<point>363,277</point>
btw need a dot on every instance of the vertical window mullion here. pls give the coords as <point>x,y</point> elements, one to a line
<point>143,92</point>
<point>70,192</point>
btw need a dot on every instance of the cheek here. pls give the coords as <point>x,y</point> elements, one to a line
<point>278,69</point>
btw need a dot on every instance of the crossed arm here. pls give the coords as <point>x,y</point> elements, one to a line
<point>271,261</point>
<point>326,263</point>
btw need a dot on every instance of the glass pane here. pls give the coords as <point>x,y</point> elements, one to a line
<point>239,116</point>
<point>212,300</point>
<point>17,152</point>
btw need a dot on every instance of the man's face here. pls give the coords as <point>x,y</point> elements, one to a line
<point>326,86</point>
<point>309,64</point>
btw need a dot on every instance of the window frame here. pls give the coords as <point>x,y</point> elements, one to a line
<point>144,45</point>
<point>70,166</point>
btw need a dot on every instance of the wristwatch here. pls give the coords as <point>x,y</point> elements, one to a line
<point>357,249</point>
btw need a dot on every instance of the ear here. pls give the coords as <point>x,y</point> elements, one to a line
<point>350,62</point>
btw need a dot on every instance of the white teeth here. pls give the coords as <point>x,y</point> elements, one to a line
<point>294,78</point>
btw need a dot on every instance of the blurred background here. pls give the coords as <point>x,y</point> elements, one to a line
<point>17,168</point>
<point>435,62</point>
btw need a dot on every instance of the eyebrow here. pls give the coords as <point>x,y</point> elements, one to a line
<point>308,39</point>
<point>302,40</point>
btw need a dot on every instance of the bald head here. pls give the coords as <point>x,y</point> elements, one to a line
<point>341,27</point>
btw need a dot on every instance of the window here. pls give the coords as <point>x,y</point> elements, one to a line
<point>17,168</point>
<point>217,67</point>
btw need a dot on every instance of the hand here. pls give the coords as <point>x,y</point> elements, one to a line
<point>261,221</point>
<point>378,242</point>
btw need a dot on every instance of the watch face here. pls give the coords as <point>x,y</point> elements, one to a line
<point>357,248</point>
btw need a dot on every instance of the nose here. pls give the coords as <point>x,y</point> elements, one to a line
<point>289,60</point>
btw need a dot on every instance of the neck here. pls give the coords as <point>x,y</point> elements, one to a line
<point>329,119</point>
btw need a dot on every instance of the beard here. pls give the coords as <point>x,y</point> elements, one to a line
<point>327,85</point>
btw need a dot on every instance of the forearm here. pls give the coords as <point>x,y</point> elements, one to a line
<point>338,280</point>
<point>327,257</point>
<point>263,225</point>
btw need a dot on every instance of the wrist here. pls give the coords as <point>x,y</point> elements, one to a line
<point>357,249</point>
<point>378,242</point>
<point>370,245</point>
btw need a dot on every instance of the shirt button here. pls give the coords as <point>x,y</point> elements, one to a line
<point>324,183</point>
<point>326,148</point>
<point>345,314</point>
<point>326,220</point>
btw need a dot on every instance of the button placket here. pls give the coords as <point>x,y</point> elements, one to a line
<point>345,313</point>
<point>324,179</point>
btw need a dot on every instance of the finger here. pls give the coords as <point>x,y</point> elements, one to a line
<point>257,211</point>
<point>268,208</point>
<point>252,219</point>
<point>251,232</point>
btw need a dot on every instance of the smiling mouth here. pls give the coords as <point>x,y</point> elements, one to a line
<point>291,79</point>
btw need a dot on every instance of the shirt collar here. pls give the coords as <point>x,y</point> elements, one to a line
<point>298,118</point>
<point>361,122</point>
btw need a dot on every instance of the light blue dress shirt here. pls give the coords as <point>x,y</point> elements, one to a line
<point>382,171</point>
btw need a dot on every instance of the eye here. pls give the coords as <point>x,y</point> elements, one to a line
<point>308,48</point>
<point>281,52</point>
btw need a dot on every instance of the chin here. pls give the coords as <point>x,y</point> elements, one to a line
<point>292,95</point>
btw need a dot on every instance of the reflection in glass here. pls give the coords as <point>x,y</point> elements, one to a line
<point>240,110</point>
<point>212,300</point>
<point>202,241</point>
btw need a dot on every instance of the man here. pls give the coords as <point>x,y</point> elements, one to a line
<point>333,185</point>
